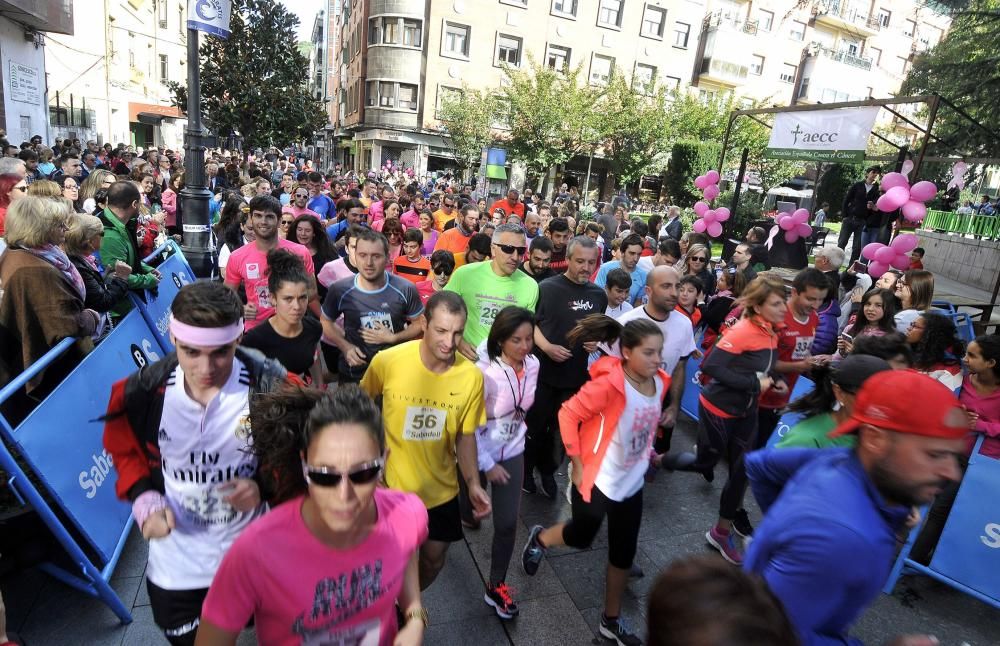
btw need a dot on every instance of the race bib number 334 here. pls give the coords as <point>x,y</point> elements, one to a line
<point>424,423</point>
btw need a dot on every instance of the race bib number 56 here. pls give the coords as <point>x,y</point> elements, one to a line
<point>423,423</point>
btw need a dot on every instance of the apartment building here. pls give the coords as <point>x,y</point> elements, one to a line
<point>400,58</point>
<point>108,81</point>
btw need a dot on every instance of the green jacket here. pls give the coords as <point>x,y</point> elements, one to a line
<point>119,243</point>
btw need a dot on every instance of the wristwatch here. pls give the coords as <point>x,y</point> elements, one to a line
<point>417,613</point>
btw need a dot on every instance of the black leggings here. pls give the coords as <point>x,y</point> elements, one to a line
<point>624,519</point>
<point>767,421</point>
<point>176,612</point>
<point>731,438</point>
<point>542,443</point>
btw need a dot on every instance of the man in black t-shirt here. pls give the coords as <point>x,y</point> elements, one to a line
<point>539,257</point>
<point>562,301</point>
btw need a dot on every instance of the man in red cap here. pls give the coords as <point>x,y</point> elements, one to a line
<point>831,516</point>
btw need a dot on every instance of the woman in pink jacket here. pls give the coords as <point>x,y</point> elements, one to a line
<point>608,429</point>
<point>510,375</point>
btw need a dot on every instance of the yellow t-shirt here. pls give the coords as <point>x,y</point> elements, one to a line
<point>441,218</point>
<point>423,413</point>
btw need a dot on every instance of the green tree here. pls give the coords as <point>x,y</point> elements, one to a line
<point>549,114</point>
<point>965,69</point>
<point>254,82</point>
<point>688,159</point>
<point>690,118</point>
<point>753,135</point>
<point>634,127</point>
<point>468,117</point>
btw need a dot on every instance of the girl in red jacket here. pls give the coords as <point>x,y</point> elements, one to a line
<point>608,429</point>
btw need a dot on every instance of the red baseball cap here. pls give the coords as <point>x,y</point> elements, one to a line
<point>906,401</point>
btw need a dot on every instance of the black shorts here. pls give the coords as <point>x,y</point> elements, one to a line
<point>176,612</point>
<point>444,522</point>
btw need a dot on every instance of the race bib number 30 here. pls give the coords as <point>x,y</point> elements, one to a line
<point>424,423</point>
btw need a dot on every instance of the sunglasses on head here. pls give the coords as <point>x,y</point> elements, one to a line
<point>326,477</point>
<point>509,249</point>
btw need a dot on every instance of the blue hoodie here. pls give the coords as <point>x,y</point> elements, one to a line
<point>827,541</point>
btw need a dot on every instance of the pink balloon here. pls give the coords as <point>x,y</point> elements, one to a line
<point>701,182</point>
<point>907,166</point>
<point>885,255</point>
<point>803,229</point>
<point>904,242</point>
<point>914,211</point>
<point>801,215</point>
<point>700,208</point>
<point>709,216</point>
<point>923,191</point>
<point>699,226</point>
<point>715,229</point>
<point>786,223</point>
<point>901,261</point>
<point>894,198</point>
<point>711,192</point>
<point>712,176</point>
<point>791,237</point>
<point>891,180</point>
<point>722,214</point>
<point>871,249</point>
<point>876,269</point>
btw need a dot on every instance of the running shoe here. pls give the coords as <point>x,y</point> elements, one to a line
<point>533,552</point>
<point>618,631</point>
<point>548,486</point>
<point>726,544</point>
<point>742,524</point>
<point>499,597</point>
<point>636,572</point>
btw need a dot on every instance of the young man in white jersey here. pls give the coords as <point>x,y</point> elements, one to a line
<point>177,431</point>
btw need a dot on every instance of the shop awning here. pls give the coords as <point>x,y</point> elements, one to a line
<point>152,113</point>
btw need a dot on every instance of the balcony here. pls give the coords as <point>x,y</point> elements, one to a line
<point>722,71</point>
<point>731,35</point>
<point>845,16</point>
<point>717,21</point>
<point>827,79</point>
<point>55,16</point>
<point>847,59</point>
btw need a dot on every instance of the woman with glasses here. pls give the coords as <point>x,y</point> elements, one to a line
<point>442,267</point>
<point>915,290</point>
<point>696,264</point>
<point>12,188</point>
<point>285,225</point>
<point>330,564</point>
<point>392,229</point>
<point>104,289</point>
<point>936,348</point>
<point>99,179</point>
<point>71,191</point>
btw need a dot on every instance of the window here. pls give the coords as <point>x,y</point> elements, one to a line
<point>706,96</point>
<point>374,31</point>
<point>508,50</point>
<point>884,16</point>
<point>557,57</point>
<point>131,49</point>
<point>386,94</point>
<point>851,47</point>
<point>180,20</point>
<point>654,19</point>
<point>161,13</point>
<point>756,65</point>
<point>671,82</point>
<point>446,94</point>
<point>408,96</point>
<point>411,33</point>
<point>787,73</point>
<point>609,13</point>
<point>798,30</point>
<point>394,31</point>
<point>455,40</point>
<point>682,31</point>
<point>600,69</point>
<point>164,68</point>
<point>876,55</point>
<point>766,20</point>
<point>909,28</point>
<point>390,31</point>
<point>564,7</point>
<point>645,77</point>
<point>371,93</point>
<point>901,66</point>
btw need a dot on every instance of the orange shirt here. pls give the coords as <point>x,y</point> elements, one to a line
<point>452,240</point>
<point>414,272</point>
<point>517,209</point>
<point>441,218</point>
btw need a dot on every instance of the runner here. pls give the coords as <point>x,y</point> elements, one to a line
<point>539,257</point>
<point>510,375</point>
<point>247,266</point>
<point>623,397</point>
<point>631,248</point>
<point>410,265</point>
<point>177,432</point>
<point>432,405</point>
<point>380,309</point>
<point>562,301</point>
<point>288,571</point>
<point>487,288</point>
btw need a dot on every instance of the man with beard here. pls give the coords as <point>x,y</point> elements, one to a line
<point>539,257</point>
<point>833,517</point>
<point>559,233</point>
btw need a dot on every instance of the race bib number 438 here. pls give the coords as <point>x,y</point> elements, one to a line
<point>423,423</point>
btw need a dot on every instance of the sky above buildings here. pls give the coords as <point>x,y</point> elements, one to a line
<point>306,11</point>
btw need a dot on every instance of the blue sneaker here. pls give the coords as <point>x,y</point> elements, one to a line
<point>533,552</point>
<point>726,544</point>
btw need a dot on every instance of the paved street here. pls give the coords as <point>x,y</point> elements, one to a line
<point>561,605</point>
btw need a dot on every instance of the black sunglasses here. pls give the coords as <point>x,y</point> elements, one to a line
<point>327,477</point>
<point>699,259</point>
<point>441,270</point>
<point>509,249</point>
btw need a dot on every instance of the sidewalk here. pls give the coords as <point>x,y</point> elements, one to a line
<point>561,605</point>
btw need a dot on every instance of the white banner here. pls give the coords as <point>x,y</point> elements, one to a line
<point>839,135</point>
<point>210,16</point>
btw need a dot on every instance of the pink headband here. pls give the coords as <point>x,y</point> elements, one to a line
<point>205,337</point>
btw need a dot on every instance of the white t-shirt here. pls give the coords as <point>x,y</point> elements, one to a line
<point>678,337</point>
<point>616,312</point>
<point>627,458</point>
<point>646,264</point>
<point>201,448</point>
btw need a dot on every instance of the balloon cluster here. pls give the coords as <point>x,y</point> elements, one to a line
<point>709,220</point>
<point>896,254</point>
<point>708,184</point>
<point>898,194</point>
<point>795,225</point>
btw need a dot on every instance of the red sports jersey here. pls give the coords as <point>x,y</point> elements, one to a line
<point>795,341</point>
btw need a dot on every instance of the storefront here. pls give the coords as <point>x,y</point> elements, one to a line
<point>151,125</point>
<point>379,148</point>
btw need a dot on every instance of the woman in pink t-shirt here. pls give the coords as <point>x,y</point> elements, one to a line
<point>330,563</point>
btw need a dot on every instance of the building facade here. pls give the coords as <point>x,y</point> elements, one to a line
<point>108,83</point>
<point>399,58</point>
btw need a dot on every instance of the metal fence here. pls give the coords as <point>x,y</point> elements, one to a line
<point>981,226</point>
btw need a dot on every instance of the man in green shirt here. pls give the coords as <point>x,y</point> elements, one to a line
<point>119,242</point>
<point>489,287</point>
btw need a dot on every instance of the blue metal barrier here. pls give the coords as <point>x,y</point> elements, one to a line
<point>155,309</point>
<point>967,556</point>
<point>66,454</point>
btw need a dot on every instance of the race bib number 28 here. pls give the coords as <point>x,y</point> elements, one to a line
<point>424,423</point>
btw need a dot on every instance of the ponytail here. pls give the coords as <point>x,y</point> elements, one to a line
<point>603,328</point>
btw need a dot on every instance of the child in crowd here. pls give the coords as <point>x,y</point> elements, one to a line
<point>410,264</point>
<point>618,285</point>
<point>917,258</point>
<point>877,318</point>
<point>689,292</point>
